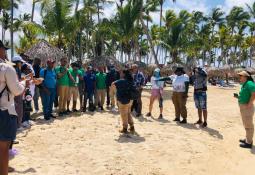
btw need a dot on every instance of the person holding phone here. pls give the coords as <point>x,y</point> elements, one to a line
<point>246,99</point>
<point>63,78</point>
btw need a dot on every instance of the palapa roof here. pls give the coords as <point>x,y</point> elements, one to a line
<point>139,63</point>
<point>43,50</point>
<point>104,61</point>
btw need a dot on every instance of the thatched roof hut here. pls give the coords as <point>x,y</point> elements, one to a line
<point>43,50</point>
<point>103,61</point>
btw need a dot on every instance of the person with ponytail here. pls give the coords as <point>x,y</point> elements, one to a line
<point>156,92</point>
<point>246,99</point>
<point>124,101</point>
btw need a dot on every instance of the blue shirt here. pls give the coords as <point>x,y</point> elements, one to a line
<point>50,78</point>
<point>139,79</point>
<point>89,80</point>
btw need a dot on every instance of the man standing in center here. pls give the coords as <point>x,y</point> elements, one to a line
<point>139,83</point>
<point>101,87</point>
<point>63,76</point>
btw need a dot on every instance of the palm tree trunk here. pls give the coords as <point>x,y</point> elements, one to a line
<point>12,9</point>
<point>33,11</point>
<point>160,21</point>
<point>77,6</point>
<point>150,41</point>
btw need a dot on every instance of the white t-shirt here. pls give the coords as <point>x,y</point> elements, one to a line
<point>179,82</point>
<point>156,84</point>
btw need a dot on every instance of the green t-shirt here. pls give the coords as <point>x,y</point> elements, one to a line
<point>63,81</point>
<point>75,75</point>
<point>82,71</point>
<point>246,91</point>
<point>100,80</point>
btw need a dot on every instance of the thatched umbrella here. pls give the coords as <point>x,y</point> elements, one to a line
<point>43,50</point>
<point>103,61</point>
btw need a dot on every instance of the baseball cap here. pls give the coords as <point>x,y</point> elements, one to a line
<point>18,59</point>
<point>3,46</point>
<point>157,70</point>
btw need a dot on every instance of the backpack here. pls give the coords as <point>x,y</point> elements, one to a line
<point>133,92</point>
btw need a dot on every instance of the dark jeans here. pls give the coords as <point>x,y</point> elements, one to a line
<point>26,116</point>
<point>47,101</point>
<point>36,98</point>
<point>88,96</point>
<point>108,96</point>
<point>137,104</point>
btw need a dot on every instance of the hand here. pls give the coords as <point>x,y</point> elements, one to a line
<point>27,83</point>
<point>249,105</point>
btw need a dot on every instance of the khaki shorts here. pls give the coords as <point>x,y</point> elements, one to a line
<point>73,93</point>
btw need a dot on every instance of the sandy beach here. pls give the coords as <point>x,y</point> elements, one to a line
<point>90,144</point>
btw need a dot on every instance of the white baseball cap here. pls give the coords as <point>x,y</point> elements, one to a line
<point>18,58</point>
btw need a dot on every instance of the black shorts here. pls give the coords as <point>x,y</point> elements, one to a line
<point>8,126</point>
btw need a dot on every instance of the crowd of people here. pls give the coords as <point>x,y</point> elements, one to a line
<point>61,86</point>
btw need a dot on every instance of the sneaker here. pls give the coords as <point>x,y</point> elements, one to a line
<point>132,129</point>
<point>176,120</point>
<point>114,109</point>
<point>138,115</point>
<point>75,110</point>
<point>242,140</point>
<point>31,123</point>
<point>68,111</point>
<point>204,125</point>
<point>20,129</point>
<point>184,121</point>
<point>148,114</point>
<point>52,116</point>
<point>160,116</point>
<point>246,145</point>
<point>123,131</point>
<point>26,124</point>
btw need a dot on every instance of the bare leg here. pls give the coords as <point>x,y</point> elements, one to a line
<point>200,114</point>
<point>152,99</point>
<point>4,158</point>
<point>205,115</point>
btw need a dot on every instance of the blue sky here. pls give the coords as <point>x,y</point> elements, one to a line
<point>190,5</point>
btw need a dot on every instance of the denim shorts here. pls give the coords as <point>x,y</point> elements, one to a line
<point>8,126</point>
<point>200,99</point>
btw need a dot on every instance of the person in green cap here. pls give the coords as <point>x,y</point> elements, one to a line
<point>246,99</point>
<point>101,87</point>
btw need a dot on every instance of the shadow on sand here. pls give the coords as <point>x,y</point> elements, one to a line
<point>129,138</point>
<point>30,170</point>
<point>210,131</point>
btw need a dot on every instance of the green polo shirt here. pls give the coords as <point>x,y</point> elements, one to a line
<point>246,92</point>
<point>64,81</point>
<point>100,80</point>
<point>75,75</point>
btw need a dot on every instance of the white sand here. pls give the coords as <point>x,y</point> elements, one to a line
<point>91,144</point>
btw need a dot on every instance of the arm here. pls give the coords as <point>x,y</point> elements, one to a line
<point>12,82</point>
<point>61,74</point>
<point>251,99</point>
